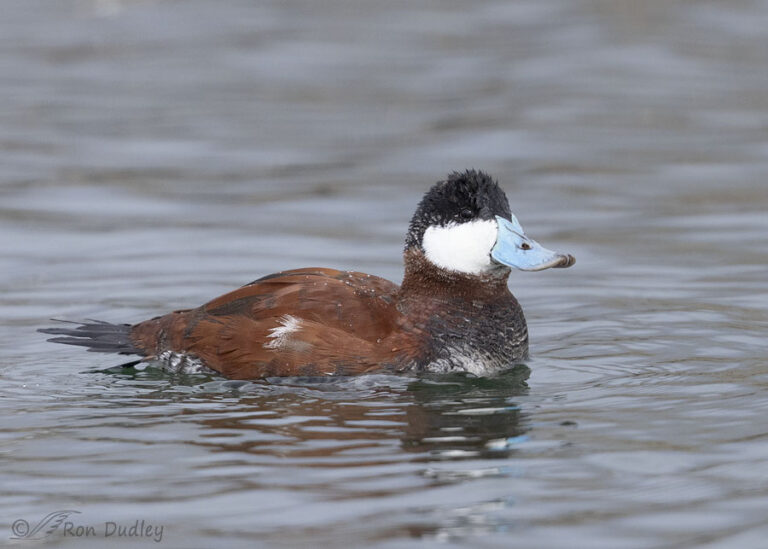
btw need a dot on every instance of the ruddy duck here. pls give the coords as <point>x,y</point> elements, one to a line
<point>452,313</point>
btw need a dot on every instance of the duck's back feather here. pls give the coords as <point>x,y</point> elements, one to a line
<point>300,322</point>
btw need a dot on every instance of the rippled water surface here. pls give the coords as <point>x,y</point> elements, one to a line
<point>154,154</point>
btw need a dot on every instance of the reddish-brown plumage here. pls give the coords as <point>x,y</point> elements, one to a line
<point>350,322</point>
<point>348,325</point>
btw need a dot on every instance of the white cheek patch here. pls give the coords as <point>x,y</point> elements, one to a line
<point>462,247</point>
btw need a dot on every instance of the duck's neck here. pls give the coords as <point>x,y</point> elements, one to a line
<point>474,322</point>
<point>425,279</point>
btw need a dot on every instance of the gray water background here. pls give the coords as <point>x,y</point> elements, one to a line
<point>155,154</point>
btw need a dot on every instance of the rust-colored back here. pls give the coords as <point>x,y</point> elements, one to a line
<point>300,322</point>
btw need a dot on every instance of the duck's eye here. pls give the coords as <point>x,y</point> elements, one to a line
<point>466,213</point>
<point>525,246</point>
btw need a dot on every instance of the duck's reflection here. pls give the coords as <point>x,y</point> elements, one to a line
<point>375,443</point>
<point>465,417</point>
<point>374,419</point>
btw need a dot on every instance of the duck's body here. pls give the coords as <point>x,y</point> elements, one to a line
<point>453,311</point>
<point>328,322</point>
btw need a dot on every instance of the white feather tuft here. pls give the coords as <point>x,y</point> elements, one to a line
<point>281,333</point>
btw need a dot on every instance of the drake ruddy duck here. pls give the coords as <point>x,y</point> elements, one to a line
<point>452,313</point>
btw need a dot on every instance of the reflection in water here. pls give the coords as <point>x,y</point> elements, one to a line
<point>465,417</point>
<point>435,418</point>
<point>379,438</point>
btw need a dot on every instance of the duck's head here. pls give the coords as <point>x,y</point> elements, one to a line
<point>464,224</point>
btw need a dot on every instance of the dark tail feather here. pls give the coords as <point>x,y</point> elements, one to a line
<point>98,336</point>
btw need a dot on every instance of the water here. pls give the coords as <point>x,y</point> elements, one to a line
<point>155,154</point>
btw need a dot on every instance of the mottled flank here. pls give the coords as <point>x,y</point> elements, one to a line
<point>182,363</point>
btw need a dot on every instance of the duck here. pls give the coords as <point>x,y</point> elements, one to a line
<point>452,313</point>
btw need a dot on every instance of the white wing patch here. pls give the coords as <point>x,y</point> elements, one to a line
<point>281,334</point>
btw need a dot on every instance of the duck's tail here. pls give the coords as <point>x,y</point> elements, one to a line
<point>98,336</point>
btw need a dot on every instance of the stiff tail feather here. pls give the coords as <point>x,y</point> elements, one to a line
<point>98,336</point>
